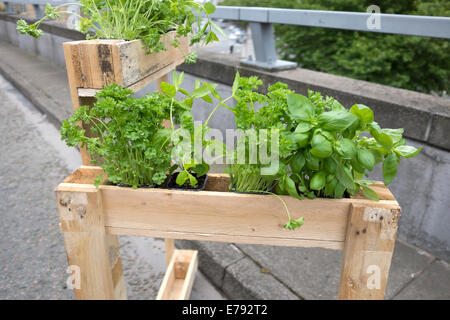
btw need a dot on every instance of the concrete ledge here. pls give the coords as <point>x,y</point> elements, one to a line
<point>39,82</point>
<point>426,118</point>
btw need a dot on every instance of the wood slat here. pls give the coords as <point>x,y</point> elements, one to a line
<point>368,250</point>
<point>179,277</point>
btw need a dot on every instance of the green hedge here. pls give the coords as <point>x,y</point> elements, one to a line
<point>415,63</point>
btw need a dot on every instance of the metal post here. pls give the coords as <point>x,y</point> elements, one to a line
<point>265,52</point>
<point>7,7</point>
<point>38,11</point>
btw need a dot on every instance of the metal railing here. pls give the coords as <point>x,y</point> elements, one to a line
<point>261,22</point>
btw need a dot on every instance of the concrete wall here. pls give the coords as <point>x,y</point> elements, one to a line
<point>422,184</point>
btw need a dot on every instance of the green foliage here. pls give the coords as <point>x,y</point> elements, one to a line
<point>128,139</point>
<point>138,19</point>
<point>415,63</point>
<point>187,157</point>
<point>324,149</point>
<point>124,135</point>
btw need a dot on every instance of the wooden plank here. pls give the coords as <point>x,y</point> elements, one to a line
<point>82,223</point>
<point>170,249</point>
<point>137,64</point>
<point>368,250</point>
<point>179,277</point>
<point>214,237</point>
<point>115,261</point>
<point>76,78</point>
<point>222,216</point>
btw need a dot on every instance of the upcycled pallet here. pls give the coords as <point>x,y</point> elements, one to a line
<point>95,64</point>
<point>91,65</point>
<point>364,229</point>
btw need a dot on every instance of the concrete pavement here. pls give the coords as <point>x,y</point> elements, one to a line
<point>244,271</point>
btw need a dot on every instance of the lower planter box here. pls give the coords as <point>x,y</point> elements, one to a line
<point>364,229</point>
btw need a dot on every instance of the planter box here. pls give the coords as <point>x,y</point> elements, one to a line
<point>94,64</point>
<point>219,215</point>
<point>364,229</point>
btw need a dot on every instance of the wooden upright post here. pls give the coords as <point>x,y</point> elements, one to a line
<point>94,259</point>
<point>368,249</point>
<point>109,242</point>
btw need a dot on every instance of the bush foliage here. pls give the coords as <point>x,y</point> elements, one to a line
<point>414,63</point>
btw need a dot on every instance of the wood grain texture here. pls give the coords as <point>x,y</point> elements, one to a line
<point>82,223</point>
<point>95,64</point>
<point>179,277</point>
<point>368,250</point>
<point>223,216</point>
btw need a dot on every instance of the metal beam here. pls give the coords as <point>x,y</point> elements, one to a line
<point>425,26</point>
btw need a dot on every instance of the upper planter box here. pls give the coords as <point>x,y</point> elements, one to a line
<point>95,64</point>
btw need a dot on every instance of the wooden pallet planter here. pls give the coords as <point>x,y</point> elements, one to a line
<point>91,65</point>
<point>364,229</point>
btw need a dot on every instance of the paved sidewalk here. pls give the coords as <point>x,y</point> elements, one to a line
<point>246,271</point>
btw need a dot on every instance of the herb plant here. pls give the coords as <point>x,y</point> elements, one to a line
<point>126,137</point>
<point>186,155</point>
<point>325,150</point>
<point>138,19</point>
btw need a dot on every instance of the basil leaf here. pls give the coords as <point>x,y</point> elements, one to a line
<point>346,149</point>
<point>344,176</point>
<point>370,193</point>
<point>390,168</point>
<point>364,113</point>
<point>209,8</point>
<point>182,178</point>
<point>407,151</point>
<point>298,162</point>
<point>338,120</point>
<point>303,127</point>
<point>339,191</point>
<point>330,187</point>
<point>301,139</point>
<point>291,188</point>
<point>318,181</point>
<point>300,107</point>
<point>322,147</point>
<point>312,162</point>
<point>366,159</point>
<point>168,89</point>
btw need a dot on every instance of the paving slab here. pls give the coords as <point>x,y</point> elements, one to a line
<point>246,280</point>
<point>313,273</point>
<point>432,284</point>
